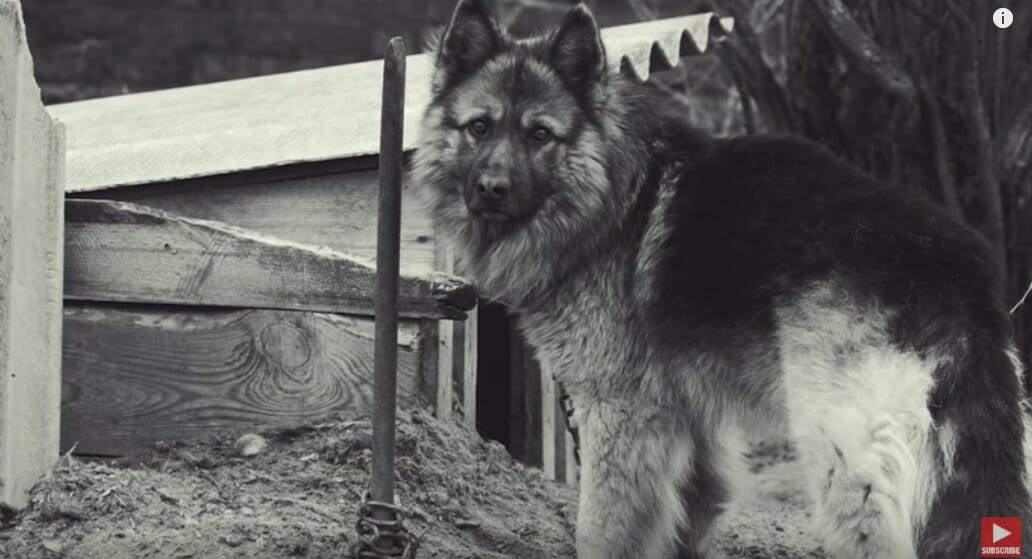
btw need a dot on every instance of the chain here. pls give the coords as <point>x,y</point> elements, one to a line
<point>381,534</point>
<point>567,404</point>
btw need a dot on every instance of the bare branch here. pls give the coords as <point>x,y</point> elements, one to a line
<point>1023,298</point>
<point>742,54</point>
<point>861,49</point>
<point>642,11</point>
<point>1016,151</point>
<point>940,150</point>
<point>915,8</point>
<point>978,123</point>
<point>747,112</point>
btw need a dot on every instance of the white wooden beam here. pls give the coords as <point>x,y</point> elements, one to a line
<point>31,252</point>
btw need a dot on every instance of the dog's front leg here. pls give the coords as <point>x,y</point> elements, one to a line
<point>633,462</point>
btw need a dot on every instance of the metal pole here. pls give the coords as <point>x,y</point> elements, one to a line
<point>388,239</point>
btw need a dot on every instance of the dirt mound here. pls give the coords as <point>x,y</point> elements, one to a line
<point>298,497</point>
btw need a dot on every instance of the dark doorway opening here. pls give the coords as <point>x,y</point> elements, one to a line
<point>508,386</point>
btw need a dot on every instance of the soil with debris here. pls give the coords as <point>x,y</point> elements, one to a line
<point>295,492</point>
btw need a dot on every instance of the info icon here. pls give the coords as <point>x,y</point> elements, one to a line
<point>1001,536</point>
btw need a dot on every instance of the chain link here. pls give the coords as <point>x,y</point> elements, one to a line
<point>381,533</point>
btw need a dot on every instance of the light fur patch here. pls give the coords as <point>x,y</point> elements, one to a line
<point>1026,412</point>
<point>858,408</point>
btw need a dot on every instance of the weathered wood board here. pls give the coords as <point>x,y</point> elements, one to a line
<point>456,356</point>
<point>122,252</point>
<point>335,210</point>
<point>135,375</point>
<point>468,334</point>
<point>31,194</point>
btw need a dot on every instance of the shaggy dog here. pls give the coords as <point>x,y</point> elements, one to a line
<point>684,288</point>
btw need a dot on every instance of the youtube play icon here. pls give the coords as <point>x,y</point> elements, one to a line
<point>1001,536</point>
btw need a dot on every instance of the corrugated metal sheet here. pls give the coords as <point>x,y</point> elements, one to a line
<point>307,116</point>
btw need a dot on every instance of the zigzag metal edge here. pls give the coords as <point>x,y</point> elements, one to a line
<point>670,40</point>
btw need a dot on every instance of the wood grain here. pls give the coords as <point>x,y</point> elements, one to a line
<point>444,400</point>
<point>469,369</point>
<point>550,426</point>
<point>116,251</point>
<point>31,192</point>
<point>335,210</point>
<point>135,375</point>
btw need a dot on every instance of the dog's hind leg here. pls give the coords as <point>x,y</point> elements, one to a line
<point>716,465</point>
<point>633,469</point>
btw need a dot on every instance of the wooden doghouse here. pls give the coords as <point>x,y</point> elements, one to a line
<point>219,241</point>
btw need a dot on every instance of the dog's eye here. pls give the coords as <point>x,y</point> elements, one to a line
<point>477,128</point>
<point>541,134</point>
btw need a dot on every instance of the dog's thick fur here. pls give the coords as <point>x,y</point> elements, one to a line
<point>684,288</point>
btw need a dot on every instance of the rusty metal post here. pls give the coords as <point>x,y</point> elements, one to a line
<point>380,528</point>
<point>381,533</point>
<point>388,246</point>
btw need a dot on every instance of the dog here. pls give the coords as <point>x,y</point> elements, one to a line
<point>686,289</point>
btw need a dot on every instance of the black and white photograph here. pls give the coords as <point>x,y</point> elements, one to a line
<point>515,279</point>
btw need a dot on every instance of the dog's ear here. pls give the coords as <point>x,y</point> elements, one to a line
<point>471,39</point>
<point>576,50</point>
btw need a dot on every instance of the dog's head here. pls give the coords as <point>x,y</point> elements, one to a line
<point>516,143</point>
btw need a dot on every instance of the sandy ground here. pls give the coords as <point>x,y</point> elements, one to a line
<point>298,497</point>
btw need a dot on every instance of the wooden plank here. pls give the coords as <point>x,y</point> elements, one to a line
<point>134,375</point>
<point>444,401</point>
<point>551,426</point>
<point>116,251</point>
<point>335,210</point>
<point>31,192</point>
<point>445,396</point>
<point>428,358</point>
<point>469,369</point>
<point>457,358</point>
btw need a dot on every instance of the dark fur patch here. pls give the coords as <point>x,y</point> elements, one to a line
<point>756,219</point>
<point>981,404</point>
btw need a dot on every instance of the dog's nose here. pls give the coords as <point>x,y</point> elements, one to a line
<point>493,188</point>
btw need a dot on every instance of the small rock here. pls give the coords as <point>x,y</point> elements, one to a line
<point>232,540</point>
<point>53,546</point>
<point>250,444</point>
<point>463,524</point>
<point>167,498</point>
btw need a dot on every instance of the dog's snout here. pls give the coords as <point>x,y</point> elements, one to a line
<point>493,188</point>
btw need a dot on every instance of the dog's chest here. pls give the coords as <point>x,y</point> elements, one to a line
<point>584,334</point>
